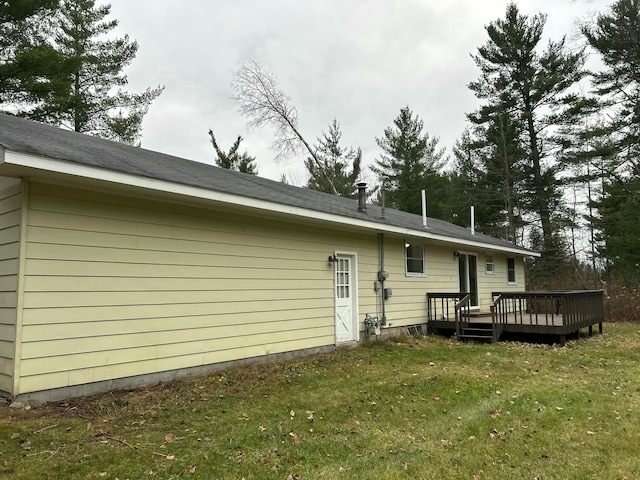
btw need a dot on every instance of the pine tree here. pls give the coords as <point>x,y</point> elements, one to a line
<point>486,176</point>
<point>615,36</point>
<point>92,70</point>
<point>412,162</point>
<point>527,99</point>
<point>336,169</point>
<point>27,62</point>
<point>240,162</point>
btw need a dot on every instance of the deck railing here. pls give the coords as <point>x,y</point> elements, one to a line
<point>448,306</point>
<point>565,311</point>
<point>547,313</point>
<point>462,313</point>
<point>441,306</point>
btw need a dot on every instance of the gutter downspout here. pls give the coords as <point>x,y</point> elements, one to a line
<point>384,315</point>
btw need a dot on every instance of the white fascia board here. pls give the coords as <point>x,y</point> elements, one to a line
<point>55,166</point>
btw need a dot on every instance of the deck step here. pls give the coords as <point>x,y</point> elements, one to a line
<point>476,337</point>
<point>477,331</point>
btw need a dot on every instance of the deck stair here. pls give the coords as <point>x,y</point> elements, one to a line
<point>477,331</point>
<point>472,324</point>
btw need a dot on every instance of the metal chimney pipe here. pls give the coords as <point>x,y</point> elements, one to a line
<point>473,220</point>
<point>362,196</point>
<point>424,209</point>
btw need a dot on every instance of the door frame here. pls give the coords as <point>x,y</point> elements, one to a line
<point>355,314</point>
<point>466,255</point>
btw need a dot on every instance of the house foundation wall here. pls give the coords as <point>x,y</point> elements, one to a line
<point>87,389</point>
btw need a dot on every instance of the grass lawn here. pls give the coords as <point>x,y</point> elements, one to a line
<point>407,409</point>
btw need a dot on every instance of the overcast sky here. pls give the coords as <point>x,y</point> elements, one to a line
<point>359,61</point>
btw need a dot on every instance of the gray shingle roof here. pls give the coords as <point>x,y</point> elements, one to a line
<point>25,136</point>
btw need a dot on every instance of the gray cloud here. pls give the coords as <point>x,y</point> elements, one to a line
<point>359,61</point>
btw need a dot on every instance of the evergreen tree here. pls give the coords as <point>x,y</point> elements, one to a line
<point>336,169</point>
<point>465,177</point>
<point>486,176</point>
<point>27,62</point>
<point>91,70</point>
<point>240,162</point>
<point>615,36</point>
<point>527,99</point>
<point>412,162</point>
<point>619,229</point>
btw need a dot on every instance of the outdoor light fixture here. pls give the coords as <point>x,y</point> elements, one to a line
<point>333,259</point>
<point>456,254</point>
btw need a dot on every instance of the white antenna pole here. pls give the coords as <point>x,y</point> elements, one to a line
<point>473,220</point>
<point>424,209</point>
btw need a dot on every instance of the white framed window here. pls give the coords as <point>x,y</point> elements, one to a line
<point>414,260</point>
<point>490,264</point>
<point>511,270</point>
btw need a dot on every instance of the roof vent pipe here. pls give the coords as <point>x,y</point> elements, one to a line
<point>473,220</point>
<point>362,196</point>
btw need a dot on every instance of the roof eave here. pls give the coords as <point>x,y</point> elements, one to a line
<point>18,164</point>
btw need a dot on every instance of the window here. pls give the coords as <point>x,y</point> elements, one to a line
<point>414,259</point>
<point>343,282</point>
<point>511,270</point>
<point>490,266</point>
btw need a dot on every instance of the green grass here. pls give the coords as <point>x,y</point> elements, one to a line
<point>401,409</point>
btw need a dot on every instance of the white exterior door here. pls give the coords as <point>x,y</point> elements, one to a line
<point>345,297</point>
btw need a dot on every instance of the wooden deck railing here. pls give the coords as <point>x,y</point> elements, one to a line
<point>441,306</point>
<point>448,306</point>
<point>462,313</point>
<point>549,312</point>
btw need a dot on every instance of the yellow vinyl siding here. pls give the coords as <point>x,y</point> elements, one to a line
<point>117,287</point>
<point>118,349</point>
<point>409,293</point>
<point>82,374</point>
<point>497,282</point>
<point>10,231</point>
<point>407,305</point>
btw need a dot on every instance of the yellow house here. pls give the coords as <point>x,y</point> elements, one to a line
<point>121,266</point>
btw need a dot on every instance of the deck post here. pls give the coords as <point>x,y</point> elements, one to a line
<point>591,330</point>
<point>600,327</point>
<point>563,340</point>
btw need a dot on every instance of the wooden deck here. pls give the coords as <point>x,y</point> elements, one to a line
<point>534,313</point>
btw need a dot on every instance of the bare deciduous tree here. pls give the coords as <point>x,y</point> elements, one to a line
<point>261,101</point>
